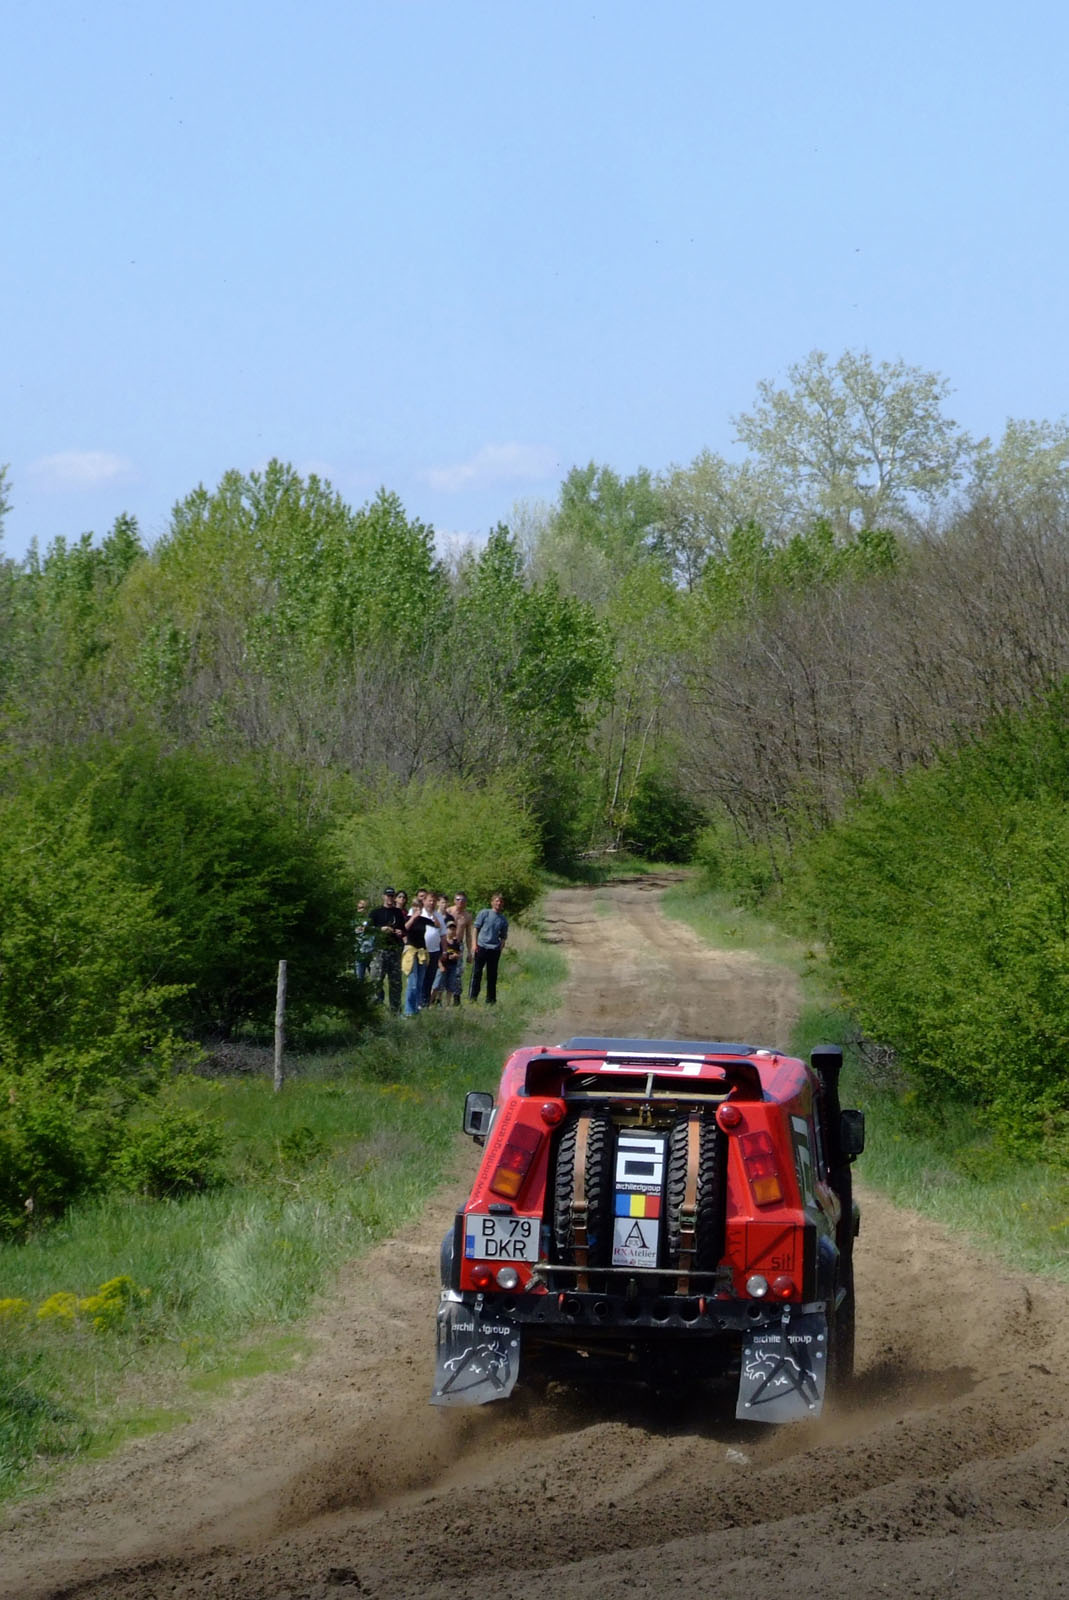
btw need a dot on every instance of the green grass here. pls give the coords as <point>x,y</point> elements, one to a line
<point>346,1154</point>
<point>140,1425</point>
<point>728,927</point>
<point>938,1158</point>
<point>607,869</point>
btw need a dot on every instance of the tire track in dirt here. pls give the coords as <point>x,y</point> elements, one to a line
<point>947,1474</point>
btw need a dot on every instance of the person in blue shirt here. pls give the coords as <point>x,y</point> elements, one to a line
<point>491,932</point>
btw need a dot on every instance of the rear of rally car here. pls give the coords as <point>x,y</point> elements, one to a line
<point>656,1210</point>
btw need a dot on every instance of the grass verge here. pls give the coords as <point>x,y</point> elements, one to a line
<point>938,1158</point>
<point>212,1286</point>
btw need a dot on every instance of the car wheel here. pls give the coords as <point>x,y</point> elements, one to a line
<point>843,1321</point>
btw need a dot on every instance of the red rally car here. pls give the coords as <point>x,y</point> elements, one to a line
<point>666,1210</point>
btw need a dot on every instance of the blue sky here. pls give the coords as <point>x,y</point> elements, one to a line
<point>455,249</point>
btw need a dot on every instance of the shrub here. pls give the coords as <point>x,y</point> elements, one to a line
<point>301,1145</point>
<point>61,1307</point>
<point>662,822</point>
<point>944,899</point>
<point>52,1149</point>
<point>81,946</point>
<point>179,1152</point>
<point>734,866</point>
<point>239,880</point>
<point>448,836</point>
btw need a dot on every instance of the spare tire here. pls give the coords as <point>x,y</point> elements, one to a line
<point>709,1209</point>
<point>598,1189</point>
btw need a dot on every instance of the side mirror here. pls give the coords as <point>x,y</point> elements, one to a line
<point>478,1112</point>
<point>851,1133</point>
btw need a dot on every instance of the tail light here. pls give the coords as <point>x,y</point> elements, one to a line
<point>759,1159</point>
<point>516,1158</point>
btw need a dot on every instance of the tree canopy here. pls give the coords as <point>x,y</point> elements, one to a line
<point>856,441</point>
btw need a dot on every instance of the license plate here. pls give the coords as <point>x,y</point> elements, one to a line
<point>501,1238</point>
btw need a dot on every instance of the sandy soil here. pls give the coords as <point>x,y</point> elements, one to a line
<point>947,1474</point>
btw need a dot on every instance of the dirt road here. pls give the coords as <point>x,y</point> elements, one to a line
<point>948,1475</point>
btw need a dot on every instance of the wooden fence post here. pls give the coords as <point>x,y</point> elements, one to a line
<point>280,1024</point>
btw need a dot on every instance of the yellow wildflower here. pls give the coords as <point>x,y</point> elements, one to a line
<point>108,1307</point>
<point>60,1307</point>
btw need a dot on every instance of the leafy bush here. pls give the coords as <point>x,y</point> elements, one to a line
<point>179,1152</point>
<point>238,879</point>
<point>301,1145</point>
<point>662,822</point>
<point>445,835</point>
<point>944,901</point>
<point>81,946</point>
<point>744,870</point>
<point>53,1149</point>
<point>114,1304</point>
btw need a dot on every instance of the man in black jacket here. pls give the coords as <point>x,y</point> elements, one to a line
<point>389,924</point>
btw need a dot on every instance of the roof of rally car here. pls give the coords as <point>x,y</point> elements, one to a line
<point>755,1071</point>
<point>658,1047</point>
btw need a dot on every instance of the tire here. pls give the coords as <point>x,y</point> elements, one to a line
<point>450,1278</point>
<point>842,1342</point>
<point>709,1209</point>
<point>599,1191</point>
<point>844,1321</point>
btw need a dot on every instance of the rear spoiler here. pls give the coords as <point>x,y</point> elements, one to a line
<point>553,1070</point>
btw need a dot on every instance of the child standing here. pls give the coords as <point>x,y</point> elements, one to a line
<point>447,978</point>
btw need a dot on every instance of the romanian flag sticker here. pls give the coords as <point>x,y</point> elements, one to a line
<point>638,1205</point>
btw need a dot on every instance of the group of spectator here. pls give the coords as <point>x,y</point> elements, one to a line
<point>418,953</point>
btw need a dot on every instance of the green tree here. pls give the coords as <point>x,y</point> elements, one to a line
<point>293,566</point>
<point>274,619</point>
<point>241,880</point>
<point>64,638</point>
<point>1029,467</point>
<point>601,528</point>
<point>541,657</point>
<point>704,504</point>
<point>754,570</point>
<point>856,441</point>
<point>530,667</point>
<point>647,621</point>
<point>83,947</point>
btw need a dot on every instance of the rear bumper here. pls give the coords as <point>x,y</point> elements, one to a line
<point>777,1353</point>
<point>645,1311</point>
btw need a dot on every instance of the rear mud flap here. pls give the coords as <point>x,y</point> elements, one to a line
<point>784,1370</point>
<point>477,1360</point>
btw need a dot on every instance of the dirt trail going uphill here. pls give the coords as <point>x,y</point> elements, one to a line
<point>947,1475</point>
